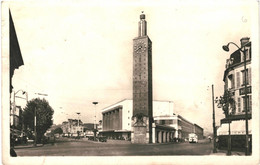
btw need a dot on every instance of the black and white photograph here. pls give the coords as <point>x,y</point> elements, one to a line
<point>130,82</point>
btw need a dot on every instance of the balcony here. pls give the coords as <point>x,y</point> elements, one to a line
<point>235,117</point>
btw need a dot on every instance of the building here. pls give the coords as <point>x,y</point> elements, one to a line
<point>142,86</point>
<point>88,129</point>
<point>16,118</point>
<point>72,127</point>
<point>167,126</point>
<point>199,131</point>
<point>235,83</point>
<point>185,127</point>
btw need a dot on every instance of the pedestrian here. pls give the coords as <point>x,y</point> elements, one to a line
<point>209,139</point>
<point>12,152</point>
<point>217,142</point>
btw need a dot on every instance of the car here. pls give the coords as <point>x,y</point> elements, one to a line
<point>102,138</point>
<point>193,138</point>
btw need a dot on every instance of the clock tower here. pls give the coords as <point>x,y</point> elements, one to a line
<point>142,86</point>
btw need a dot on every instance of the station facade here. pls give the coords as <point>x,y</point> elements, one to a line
<point>167,126</point>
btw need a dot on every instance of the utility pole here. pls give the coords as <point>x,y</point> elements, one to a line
<point>95,126</point>
<point>214,125</point>
<point>78,122</point>
<point>35,133</point>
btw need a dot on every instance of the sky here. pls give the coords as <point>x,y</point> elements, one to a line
<point>77,53</point>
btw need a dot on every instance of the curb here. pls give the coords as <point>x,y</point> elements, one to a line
<point>224,153</point>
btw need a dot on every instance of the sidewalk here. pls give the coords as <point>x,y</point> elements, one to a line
<point>31,145</point>
<point>224,153</point>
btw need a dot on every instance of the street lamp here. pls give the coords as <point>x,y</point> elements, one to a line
<point>214,124</point>
<point>95,126</point>
<point>78,122</point>
<point>244,43</point>
<point>14,109</point>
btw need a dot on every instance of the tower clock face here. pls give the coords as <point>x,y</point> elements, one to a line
<point>139,47</point>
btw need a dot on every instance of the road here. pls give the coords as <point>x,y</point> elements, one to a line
<point>90,148</point>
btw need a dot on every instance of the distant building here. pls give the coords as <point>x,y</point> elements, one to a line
<point>88,129</point>
<point>182,127</point>
<point>185,127</point>
<point>72,127</point>
<point>199,131</point>
<point>16,118</point>
<point>167,126</point>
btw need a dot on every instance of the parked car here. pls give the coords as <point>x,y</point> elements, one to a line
<point>102,138</point>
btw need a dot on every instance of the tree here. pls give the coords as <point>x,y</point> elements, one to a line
<point>58,130</point>
<point>227,103</point>
<point>44,114</point>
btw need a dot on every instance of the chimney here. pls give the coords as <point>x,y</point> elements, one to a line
<point>244,41</point>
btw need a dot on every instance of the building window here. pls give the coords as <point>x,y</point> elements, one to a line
<point>238,79</point>
<point>231,81</point>
<point>249,75</point>
<point>168,121</point>
<point>238,104</point>
<point>243,76</point>
<point>247,55</point>
<point>249,103</point>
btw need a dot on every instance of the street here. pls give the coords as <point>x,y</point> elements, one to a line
<point>112,148</point>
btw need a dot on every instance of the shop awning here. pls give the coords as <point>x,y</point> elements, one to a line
<point>236,128</point>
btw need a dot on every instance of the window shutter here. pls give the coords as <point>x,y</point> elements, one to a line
<point>249,76</point>
<point>250,103</point>
<point>238,79</point>
<point>238,104</point>
<point>233,81</point>
<point>226,84</point>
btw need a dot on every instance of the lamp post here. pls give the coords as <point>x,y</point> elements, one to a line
<point>244,43</point>
<point>13,114</point>
<point>35,133</point>
<point>229,136</point>
<point>95,126</point>
<point>78,122</point>
<point>214,124</point>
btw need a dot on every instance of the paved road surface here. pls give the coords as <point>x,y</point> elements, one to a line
<point>90,148</point>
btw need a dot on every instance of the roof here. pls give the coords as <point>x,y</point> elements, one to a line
<point>236,60</point>
<point>16,59</point>
<point>198,126</point>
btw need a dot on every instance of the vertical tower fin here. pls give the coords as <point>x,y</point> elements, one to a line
<point>142,26</point>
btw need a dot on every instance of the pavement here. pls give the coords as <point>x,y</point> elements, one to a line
<point>80,147</point>
<point>31,144</point>
<point>224,153</point>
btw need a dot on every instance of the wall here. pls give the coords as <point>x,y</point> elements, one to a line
<point>198,131</point>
